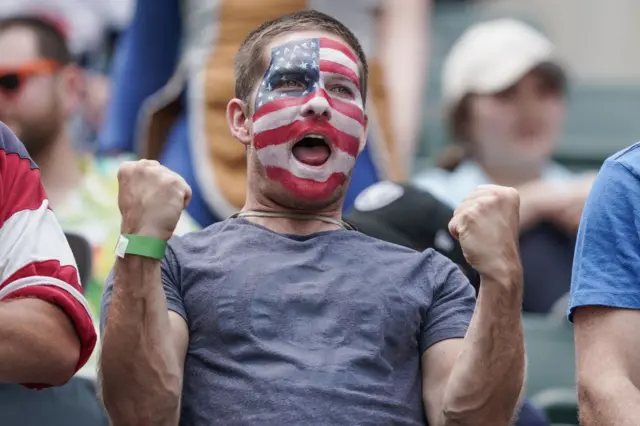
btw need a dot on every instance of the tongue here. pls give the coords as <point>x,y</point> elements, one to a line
<point>312,155</point>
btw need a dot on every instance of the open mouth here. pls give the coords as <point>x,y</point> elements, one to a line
<point>312,150</point>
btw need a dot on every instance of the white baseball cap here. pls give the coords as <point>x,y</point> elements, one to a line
<point>491,56</point>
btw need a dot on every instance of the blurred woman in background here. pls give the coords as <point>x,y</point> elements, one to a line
<point>504,91</point>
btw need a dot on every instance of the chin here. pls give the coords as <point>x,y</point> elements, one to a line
<point>323,202</point>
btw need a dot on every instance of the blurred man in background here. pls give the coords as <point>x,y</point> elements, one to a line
<point>40,88</point>
<point>173,77</point>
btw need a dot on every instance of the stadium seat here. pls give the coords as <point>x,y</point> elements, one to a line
<point>82,253</point>
<point>550,353</point>
<point>551,367</point>
<point>560,404</point>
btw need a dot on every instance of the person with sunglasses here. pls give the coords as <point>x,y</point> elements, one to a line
<point>40,91</point>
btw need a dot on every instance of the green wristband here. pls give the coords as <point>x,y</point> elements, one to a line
<point>140,246</point>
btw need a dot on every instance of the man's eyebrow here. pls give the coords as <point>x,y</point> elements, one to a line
<point>293,70</point>
<point>345,79</point>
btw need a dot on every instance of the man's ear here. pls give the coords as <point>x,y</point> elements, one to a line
<point>70,88</point>
<point>238,120</point>
<point>365,126</point>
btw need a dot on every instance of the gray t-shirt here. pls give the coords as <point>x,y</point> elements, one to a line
<point>319,330</point>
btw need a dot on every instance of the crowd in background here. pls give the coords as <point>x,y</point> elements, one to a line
<point>525,94</point>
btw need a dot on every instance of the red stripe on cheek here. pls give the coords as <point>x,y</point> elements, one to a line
<point>278,104</point>
<point>350,110</point>
<point>327,43</point>
<point>297,129</point>
<point>306,188</point>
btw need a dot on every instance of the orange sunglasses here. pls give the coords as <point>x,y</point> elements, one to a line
<point>12,79</point>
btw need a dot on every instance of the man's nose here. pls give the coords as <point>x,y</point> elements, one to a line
<point>317,106</point>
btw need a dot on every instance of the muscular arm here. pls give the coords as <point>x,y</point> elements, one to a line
<point>479,379</point>
<point>405,35</point>
<point>39,343</point>
<point>144,347</point>
<point>607,343</point>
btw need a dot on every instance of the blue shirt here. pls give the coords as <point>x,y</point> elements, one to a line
<point>319,330</point>
<point>606,268</point>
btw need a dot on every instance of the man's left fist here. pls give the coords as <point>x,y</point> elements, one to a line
<point>487,226</point>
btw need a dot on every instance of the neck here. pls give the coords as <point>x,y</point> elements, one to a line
<point>513,176</point>
<point>59,168</point>
<point>305,222</point>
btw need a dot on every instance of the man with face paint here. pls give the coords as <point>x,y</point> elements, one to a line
<point>284,315</point>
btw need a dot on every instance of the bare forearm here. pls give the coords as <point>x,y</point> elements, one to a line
<point>531,205</point>
<point>487,379</point>
<point>39,343</point>
<point>141,381</point>
<point>610,400</point>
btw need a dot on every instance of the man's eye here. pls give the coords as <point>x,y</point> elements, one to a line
<point>342,90</point>
<point>288,85</point>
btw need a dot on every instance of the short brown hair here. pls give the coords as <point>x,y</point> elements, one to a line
<point>51,42</point>
<point>250,52</point>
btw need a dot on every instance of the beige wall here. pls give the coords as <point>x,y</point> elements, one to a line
<point>600,39</point>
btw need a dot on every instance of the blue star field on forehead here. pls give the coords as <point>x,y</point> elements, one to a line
<point>297,60</point>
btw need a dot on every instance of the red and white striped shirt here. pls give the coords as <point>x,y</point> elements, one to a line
<point>35,258</point>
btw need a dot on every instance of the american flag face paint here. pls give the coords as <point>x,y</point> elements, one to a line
<point>311,88</point>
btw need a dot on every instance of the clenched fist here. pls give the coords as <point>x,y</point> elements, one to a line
<point>151,198</point>
<point>487,226</point>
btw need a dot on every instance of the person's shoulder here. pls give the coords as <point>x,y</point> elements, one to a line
<point>433,180</point>
<point>390,255</point>
<point>629,158</point>
<point>365,242</point>
<point>11,145</point>
<point>450,187</point>
<point>194,240</point>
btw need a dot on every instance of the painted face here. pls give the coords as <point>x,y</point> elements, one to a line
<point>309,120</point>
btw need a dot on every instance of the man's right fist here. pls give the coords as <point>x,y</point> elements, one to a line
<point>151,198</point>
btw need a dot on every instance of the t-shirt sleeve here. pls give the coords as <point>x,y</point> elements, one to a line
<point>452,303</point>
<point>606,266</point>
<point>35,258</point>
<point>170,277</point>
